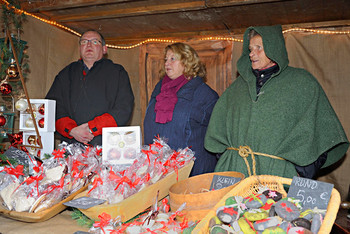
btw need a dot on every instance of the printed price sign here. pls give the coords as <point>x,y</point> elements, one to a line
<point>311,193</point>
<point>220,182</point>
<point>18,155</point>
<point>84,202</point>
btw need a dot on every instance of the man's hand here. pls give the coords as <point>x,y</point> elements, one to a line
<point>82,133</point>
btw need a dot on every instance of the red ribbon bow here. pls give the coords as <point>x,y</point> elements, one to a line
<point>17,171</point>
<point>58,153</point>
<point>105,218</point>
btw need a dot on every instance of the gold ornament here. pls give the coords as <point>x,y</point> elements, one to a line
<point>31,140</point>
<point>12,71</point>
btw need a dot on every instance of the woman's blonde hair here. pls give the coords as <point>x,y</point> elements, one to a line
<point>189,58</point>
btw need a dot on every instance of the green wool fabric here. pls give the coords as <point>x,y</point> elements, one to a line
<point>290,118</point>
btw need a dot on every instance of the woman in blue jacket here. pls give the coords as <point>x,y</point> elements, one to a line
<point>181,105</point>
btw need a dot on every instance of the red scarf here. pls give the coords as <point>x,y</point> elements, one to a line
<point>167,98</point>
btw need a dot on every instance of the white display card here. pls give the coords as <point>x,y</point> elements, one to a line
<point>121,145</point>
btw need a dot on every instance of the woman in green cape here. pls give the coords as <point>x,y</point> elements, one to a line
<point>279,112</point>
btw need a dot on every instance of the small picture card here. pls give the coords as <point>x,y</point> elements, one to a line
<point>220,182</point>
<point>84,202</point>
<point>121,145</point>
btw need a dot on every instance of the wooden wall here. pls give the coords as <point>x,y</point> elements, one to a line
<point>325,56</point>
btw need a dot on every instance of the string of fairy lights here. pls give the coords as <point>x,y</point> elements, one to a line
<point>153,40</point>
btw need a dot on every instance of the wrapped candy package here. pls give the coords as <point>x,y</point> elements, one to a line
<point>128,190</point>
<point>60,177</point>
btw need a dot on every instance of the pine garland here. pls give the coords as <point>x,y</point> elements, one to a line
<point>4,161</point>
<point>82,219</point>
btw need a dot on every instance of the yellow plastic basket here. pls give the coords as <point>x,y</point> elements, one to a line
<point>251,184</point>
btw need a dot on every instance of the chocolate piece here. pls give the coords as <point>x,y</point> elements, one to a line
<point>219,229</point>
<point>261,225</point>
<point>246,226</point>
<point>286,225</point>
<point>298,230</point>
<point>301,222</point>
<point>227,214</point>
<point>287,210</point>
<point>273,194</point>
<point>273,230</point>
<point>255,201</point>
<point>272,211</point>
<point>230,201</point>
<point>269,203</point>
<point>255,215</point>
<point>214,221</point>
<point>316,223</point>
<point>307,214</point>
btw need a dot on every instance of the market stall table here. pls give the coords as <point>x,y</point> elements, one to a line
<point>342,222</point>
<point>61,223</point>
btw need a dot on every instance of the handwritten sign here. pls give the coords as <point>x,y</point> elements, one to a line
<point>18,155</point>
<point>311,193</point>
<point>84,202</point>
<point>220,182</point>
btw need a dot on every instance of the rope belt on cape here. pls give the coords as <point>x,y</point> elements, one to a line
<point>245,151</point>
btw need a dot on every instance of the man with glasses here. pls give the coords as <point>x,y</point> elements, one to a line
<point>91,93</point>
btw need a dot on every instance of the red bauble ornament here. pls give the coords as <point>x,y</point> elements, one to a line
<point>2,120</point>
<point>42,109</point>
<point>5,88</point>
<point>41,122</point>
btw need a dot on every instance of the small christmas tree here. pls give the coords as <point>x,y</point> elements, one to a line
<point>10,84</point>
<point>11,87</point>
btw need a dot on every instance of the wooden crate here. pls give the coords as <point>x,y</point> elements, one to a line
<point>137,203</point>
<point>42,215</point>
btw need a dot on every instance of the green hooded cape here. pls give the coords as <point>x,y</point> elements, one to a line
<point>290,118</point>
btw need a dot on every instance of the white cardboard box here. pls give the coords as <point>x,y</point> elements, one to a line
<point>121,145</point>
<point>47,140</point>
<point>48,116</point>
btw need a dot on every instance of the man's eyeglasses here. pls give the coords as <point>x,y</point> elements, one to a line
<point>86,41</point>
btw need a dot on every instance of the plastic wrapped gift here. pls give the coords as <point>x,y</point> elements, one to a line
<point>128,190</point>
<point>40,195</point>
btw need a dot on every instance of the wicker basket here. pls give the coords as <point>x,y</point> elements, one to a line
<point>251,184</point>
<point>195,192</point>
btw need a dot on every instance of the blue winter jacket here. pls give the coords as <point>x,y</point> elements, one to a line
<point>191,116</point>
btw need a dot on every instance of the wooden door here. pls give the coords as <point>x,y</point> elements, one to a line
<point>216,55</point>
